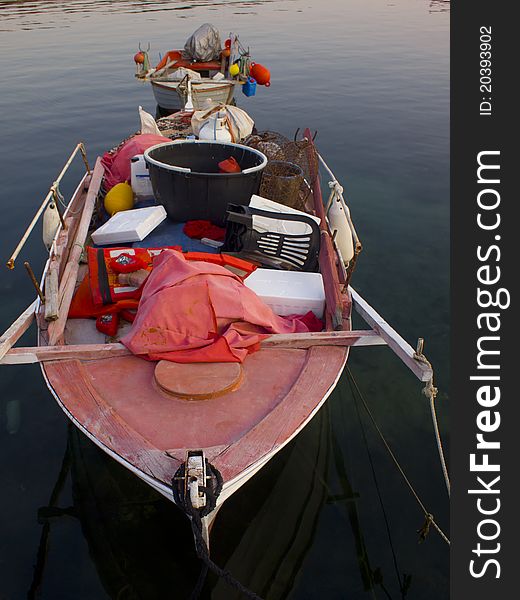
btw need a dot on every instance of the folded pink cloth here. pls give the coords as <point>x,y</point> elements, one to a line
<point>194,311</point>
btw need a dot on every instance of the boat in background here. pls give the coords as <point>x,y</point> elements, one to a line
<point>202,72</point>
<point>174,96</point>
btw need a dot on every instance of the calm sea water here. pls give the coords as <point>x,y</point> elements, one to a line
<point>372,76</point>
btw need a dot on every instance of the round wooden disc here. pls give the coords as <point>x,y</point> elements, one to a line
<point>198,381</point>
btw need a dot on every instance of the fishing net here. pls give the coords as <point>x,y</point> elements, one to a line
<point>291,167</point>
<point>177,125</point>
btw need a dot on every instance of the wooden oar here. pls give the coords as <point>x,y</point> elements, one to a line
<point>35,354</point>
<point>397,343</point>
<point>99,351</point>
<point>17,329</point>
<point>68,281</point>
<point>323,338</point>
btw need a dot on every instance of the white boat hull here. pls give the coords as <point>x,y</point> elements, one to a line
<point>167,97</point>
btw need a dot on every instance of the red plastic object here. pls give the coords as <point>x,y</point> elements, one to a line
<point>261,74</point>
<point>108,324</point>
<point>229,165</point>
<point>171,56</point>
<point>128,315</point>
<point>126,263</point>
<point>204,229</point>
<point>239,264</point>
<point>175,56</point>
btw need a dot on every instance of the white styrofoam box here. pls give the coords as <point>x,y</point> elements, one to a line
<point>263,224</point>
<point>289,292</point>
<point>140,178</point>
<point>129,225</point>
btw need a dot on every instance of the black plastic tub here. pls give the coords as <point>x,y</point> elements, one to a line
<point>186,180</point>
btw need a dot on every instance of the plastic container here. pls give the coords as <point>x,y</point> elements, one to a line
<point>289,292</point>
<point>140,178</point>
<point>186,180</point>
<point>215,128</point>
<point>249,87</point>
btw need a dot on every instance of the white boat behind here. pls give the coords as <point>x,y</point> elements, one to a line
<point>173,95</point>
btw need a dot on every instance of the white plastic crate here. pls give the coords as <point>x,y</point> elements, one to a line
<point>289,292</point>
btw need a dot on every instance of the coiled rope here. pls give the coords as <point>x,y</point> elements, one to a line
<point>429,520</point>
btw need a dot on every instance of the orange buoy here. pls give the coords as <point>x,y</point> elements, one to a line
<point>260,74</point>
<point>139,58</point>
<point>226,52</point>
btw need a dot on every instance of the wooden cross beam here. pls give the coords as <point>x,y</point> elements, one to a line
<point>98,351</point>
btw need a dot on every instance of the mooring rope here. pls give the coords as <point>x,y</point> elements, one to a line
<point>380,497</point>
<point>59,198</point>
<point>196,515</point>
<point>202,552</point>
<point>430,391</point>
<point>429,520</point>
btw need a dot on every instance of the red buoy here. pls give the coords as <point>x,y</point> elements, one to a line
<point>261,74</point>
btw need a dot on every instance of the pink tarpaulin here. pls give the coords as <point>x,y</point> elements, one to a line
<point>117,162</point>
<point>201,312</point>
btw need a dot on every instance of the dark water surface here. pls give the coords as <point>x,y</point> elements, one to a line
<point>372,77</point>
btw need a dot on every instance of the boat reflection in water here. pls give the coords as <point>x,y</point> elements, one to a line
<point>142,548</point>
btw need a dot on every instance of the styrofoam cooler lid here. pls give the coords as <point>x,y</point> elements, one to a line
<point>129,225</point>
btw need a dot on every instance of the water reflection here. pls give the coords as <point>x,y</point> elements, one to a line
<point>29,14</point>
<point>439,6</point>
<point>142,546</point>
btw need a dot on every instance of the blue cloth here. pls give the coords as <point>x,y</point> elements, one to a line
<point>169,233</point>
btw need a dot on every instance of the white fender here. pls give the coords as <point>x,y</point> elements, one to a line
<point>339,222</point>
<point>51,222</point>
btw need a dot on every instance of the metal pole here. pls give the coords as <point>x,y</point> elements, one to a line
<point>43,206</point>
<point>34,281</point>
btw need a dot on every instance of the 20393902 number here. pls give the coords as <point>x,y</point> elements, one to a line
<point>485,70</point>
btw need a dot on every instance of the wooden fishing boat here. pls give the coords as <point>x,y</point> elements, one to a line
<point>218,77</point>
<point>193,452</point>
<point>171,96</point>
